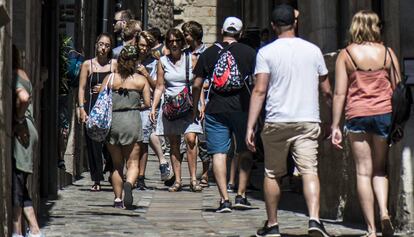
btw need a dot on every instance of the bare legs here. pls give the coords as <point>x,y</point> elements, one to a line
<point>220,173</point>
<point>245,165</point>
<point>30,217</point>
<point>191,142</point>
<point>271,189</point>
<point>311,190</point>
<point>370,153</point>
<point>131,152</point>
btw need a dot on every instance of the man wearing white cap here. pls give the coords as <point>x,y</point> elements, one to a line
<point>228,64</point>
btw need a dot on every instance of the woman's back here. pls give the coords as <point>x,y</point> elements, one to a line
<point>368,56</point>
<point>369,85</point>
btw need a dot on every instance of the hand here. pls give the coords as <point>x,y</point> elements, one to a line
<point>142,70</point>
<point>96,88</point>
<point>22,133</point>
<point>250,138</point>
<point>152,116</point>
<point>202,112</point>
<point>83,117</point>
<point>336,137</point>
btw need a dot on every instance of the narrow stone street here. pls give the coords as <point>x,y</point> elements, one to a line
<point>79,212</point>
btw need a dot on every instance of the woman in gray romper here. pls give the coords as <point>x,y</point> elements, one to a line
<point>171,80</point>
<point>125,136</point>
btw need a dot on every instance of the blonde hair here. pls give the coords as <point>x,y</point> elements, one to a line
<point>365,27</point>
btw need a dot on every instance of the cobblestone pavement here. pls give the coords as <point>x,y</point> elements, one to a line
<point>79,212</point>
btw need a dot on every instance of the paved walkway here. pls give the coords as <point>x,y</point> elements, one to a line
<point>79,212</point>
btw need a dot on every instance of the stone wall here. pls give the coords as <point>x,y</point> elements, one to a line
<point>204,12</point>
<point>5,121</point>
<point>160,14</point>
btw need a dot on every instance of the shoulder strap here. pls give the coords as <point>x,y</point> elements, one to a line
<point>110,65</point>
<point>352,60</point>
<point>187,70</point>
<point>91,66</point>
<point>385,56</point>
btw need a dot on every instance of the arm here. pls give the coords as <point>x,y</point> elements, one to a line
<point>143,71</point>
<point>146,94</point>
<point>395,73</point>
<point>325,87</point>
<point>81,91</point>
<point>256,103</point>
<point>22,103</point>
<point>197,89</point>
<point>341,86</point>
<point>159,90</point>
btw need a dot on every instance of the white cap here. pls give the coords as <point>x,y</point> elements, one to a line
<point>232,25</point>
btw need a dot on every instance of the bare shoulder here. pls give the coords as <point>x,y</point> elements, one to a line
<point>139,80</point>
<point>22,74</point>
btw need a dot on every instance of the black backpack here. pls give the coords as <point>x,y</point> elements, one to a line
<point>401,107</point>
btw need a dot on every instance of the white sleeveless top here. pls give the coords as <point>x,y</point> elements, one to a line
<point>174,74</point>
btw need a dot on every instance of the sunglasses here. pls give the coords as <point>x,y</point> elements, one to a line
<point>102,44</point>
<point>123,91</point>
<point>174,40</point>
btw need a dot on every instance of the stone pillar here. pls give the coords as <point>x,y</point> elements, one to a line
<point>160,14</point>
<point>5,121</point>
<point>402,180</point>
<point>318,23</point>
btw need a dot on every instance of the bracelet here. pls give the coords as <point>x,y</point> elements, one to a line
<point>81,106</point>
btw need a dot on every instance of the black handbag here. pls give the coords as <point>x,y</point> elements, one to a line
<point>401,108</point>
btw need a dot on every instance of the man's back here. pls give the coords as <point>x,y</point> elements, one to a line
<point>294,66</point>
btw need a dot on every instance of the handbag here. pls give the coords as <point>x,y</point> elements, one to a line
<point>100,117</point>
<point>178,106</point>
<point>401,101</point>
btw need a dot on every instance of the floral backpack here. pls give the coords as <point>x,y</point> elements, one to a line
<point>226,75</point>
<point>100,117</point>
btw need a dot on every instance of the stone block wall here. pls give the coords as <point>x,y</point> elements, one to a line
<point>160,14</point>
<point>5,121</point>
<point>204,12</point>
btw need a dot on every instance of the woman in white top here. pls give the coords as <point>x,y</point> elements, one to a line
<point>171,80</point>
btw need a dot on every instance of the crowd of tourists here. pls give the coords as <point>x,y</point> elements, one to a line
<point>178,96</point>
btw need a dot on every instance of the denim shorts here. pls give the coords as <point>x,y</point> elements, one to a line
<point>220,129</point>
<point>376,124</point>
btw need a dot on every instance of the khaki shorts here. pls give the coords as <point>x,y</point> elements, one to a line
<point>300,138</point>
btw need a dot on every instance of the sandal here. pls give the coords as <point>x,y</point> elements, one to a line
<point>195,186</point>
<point>368,234</point>
<point>96,188</point>
<point>175,187</point>
<point>204,182</point>
<point>386,227</point>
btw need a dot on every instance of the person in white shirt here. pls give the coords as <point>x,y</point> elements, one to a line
<point>288,73</point>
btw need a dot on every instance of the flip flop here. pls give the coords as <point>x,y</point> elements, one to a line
<point>204,182</point>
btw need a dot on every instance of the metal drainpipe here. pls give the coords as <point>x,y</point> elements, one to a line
<point>105,16</point>
<point>145,13</point>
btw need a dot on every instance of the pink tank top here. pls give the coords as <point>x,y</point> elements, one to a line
<point>369,92</point>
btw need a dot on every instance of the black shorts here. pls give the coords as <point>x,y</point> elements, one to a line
<point>21,196</point>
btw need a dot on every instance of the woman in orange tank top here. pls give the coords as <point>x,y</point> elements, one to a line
<point>364,84</point>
